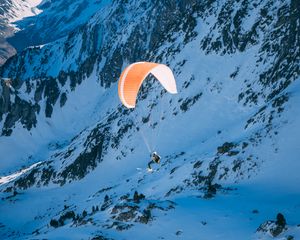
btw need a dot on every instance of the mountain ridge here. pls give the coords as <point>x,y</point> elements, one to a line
<point>222,138</point>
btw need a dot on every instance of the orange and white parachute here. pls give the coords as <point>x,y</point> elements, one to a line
<point>133,76</point>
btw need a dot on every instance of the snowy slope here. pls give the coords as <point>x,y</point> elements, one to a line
<point>228,140</point>
<point>35,22</point>
<point>14,10</point>
<point>57,19</point>
<point>10,12</point>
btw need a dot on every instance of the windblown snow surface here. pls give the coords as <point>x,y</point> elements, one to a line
<point>224,170</point>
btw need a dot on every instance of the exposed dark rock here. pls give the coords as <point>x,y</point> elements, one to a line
<point>174,190</point>
<point>255,211</point>
<point>198,164</point>
<point>63,99</point>
<point>47,174</point>
<point>280,220</point>
<point>274,227</point>
<point>187,103</point>
<point>54,223</point>
<point>137,197</point>
<point>27,181</point>
<point>226,147</point>
<point>106,204</point>
<point>61,221</point>
<point>87,160</point>
<point>146,216</point>
<point>211,190</point>
<point>22,111</point>
<point>290,237</point>
<point>100,238</point>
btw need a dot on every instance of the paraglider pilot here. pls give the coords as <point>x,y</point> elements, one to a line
<point>155,158</point>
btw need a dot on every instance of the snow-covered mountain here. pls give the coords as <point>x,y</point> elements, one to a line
<point>57,19</point>
<point>34,22</point>
<point>73,159</point>
<point>10,12</point>
<point>14,10</point>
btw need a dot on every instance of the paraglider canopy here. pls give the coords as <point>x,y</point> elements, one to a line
<point>133,76</point>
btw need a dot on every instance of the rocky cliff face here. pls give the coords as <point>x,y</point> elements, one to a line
<point>111,40</point>
<point>236,64</point>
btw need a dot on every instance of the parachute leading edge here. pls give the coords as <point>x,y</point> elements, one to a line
<point>133,76</point>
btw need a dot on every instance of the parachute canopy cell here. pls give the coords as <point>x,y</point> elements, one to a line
<point>133,76</point>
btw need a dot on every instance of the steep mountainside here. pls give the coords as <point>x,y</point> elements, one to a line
<point>11,11</point>
<point>227,139</point>
<point>33,22</point>
<point>57,19</point>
